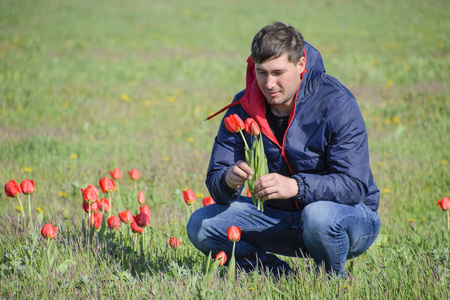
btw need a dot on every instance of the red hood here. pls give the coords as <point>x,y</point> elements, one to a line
<point>254,103</point>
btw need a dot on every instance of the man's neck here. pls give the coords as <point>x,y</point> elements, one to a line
<point>280,110</point>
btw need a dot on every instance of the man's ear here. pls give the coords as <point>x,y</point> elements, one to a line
<point>301,65</point>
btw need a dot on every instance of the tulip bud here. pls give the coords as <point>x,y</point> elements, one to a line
<point>27,186</point>
<point>251,127</point>
<point>107,185</point>
<point>126,217</point>
<point>234,234</point>
<point>145,209</point>
<point>208,201</point>
<point>49,231</point>
<point>116,173</point>
<point>189,196</point>
<point>113,222</point>
<point>136,229</point>
<point>134,174</point>
<point>141,197</point>
<point>175,242</point>
<point>222,257</point>
<point>234,123</point>
<point>12,189</point>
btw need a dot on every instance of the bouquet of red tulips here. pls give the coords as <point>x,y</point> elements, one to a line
<point>254,156</point>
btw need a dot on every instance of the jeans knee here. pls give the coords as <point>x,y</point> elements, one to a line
<point>194,229</point>
<point>317,220</point>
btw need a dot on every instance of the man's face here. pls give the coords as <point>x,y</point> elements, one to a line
<point>278,80</point>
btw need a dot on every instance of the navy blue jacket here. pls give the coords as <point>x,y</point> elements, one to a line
<point>325,147</point>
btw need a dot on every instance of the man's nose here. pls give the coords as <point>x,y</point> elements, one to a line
<point>270,83</point>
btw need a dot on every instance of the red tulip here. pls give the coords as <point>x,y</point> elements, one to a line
<point>107,184</point>
<point>27,186</point>
<point>135,228</point>
<point>90,194</point>
<point>234,234</point>
<point>251,127</point>
<point>142,219</point>
<point>49,231</point>
<point>97,220</point>
<point>126,217</point>
<point>189,196</point>
<point>234,123</point>
<point>174,242</point>
<point>94,206</point>
<point>104,205</point>
<point>12,189</point>
<point>116,173</point>
<point>146,210</point>
<point>208,201</point>
<point>222,256</point>
<point>113,222</point>
<point>141,197</point>
<point>444,203</point>
<point>134,174</point>
<point>249,194</point>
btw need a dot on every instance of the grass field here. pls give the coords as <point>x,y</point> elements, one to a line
<point>86,87</point>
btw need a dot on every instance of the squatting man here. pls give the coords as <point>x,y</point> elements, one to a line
<point>320,199</point>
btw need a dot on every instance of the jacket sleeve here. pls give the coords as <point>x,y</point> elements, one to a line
<point>347,180</point>
<point>228,148</point>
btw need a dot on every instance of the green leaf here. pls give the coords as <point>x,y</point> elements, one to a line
<point>64,265</point>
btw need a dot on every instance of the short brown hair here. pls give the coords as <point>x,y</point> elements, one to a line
<point>275,40</point>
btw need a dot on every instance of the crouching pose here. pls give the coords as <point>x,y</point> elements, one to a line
<point>320,199</point>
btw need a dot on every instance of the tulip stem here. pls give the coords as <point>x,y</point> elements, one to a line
<point>21,208</point>
<point>110,204</point>
<point>29,210</point>
<point>448,220</point>
<point>246,145</point>
<point>143,240</point>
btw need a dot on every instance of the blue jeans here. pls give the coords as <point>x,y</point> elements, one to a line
<point>329,232</point>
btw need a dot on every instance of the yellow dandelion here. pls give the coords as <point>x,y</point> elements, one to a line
<point>62,194</point>
<point>147,103</point>
<point>387,191</point>
<point>63,208</point>
<point>65,105</point>
<point>406,67</point>
<point>27,169</point>
<point>73,156</point>
<point>345,287</point>
<point>380,164</point>
<point>190,139</point>
<point>412,220</point>
<point>385,155</point>
<point>125,98</point>
<point>388,84</point>
<point>39,209</point>
<point>199,195</point>
<point>165,158</point>
<point>441,44</point>
<point>422,220</point>
<point>396,119</point>
<point>197,109</point>
<point>18,208</point>
<point>170,99</point>
<point>444,162</point>
<point>387,121</point>
<point>250,288</point>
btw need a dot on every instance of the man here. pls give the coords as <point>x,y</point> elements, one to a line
<point>320,199</point>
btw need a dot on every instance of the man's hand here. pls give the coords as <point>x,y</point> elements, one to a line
<point>238,174</point>
<point>275,186</point>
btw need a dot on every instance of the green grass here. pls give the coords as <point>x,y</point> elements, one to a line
<point>89,86</point>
